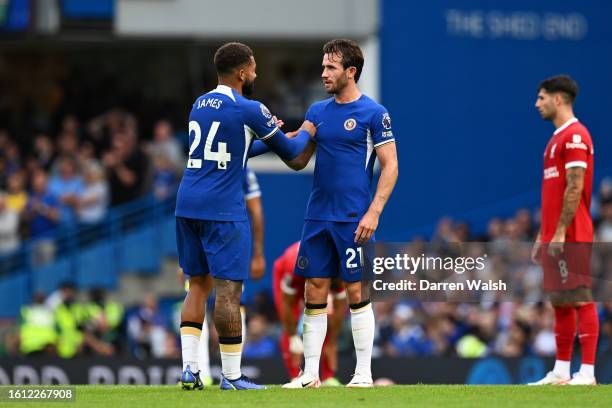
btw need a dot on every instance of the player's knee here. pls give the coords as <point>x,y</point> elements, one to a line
<point>316,291</point>
<point>228,289</point>
<point>571,298</point>
<point>357,292</point>
<point>201,284</point>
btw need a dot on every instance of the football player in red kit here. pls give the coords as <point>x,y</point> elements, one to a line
<point>289,301</point>
<point>563,245</point>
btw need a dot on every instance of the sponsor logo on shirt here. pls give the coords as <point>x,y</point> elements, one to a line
<point>387,133</point>
<point>350,124</point>
<point>551,172</point>
<point>576,145</point>
<point>386,121</point>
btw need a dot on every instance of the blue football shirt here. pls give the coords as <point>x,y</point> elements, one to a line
<point>347,137</point>
<point>222,125</point>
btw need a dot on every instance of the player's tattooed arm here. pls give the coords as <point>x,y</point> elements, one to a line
<point>227,308</point>
<point>571,198</point>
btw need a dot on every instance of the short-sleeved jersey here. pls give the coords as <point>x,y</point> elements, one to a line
<point>570,146</point>
<point>250,185</point>
<point>347,136</point>
<point>222,125</point>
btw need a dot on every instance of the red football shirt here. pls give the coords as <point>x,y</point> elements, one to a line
<point>570,146</point>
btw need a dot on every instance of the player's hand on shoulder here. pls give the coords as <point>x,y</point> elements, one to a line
<point>279,122</point>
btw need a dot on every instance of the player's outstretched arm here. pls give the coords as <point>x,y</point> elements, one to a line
<point>302,160</point>
<point>258,148</point>
<point>296,151</point>
<point>387,155</point>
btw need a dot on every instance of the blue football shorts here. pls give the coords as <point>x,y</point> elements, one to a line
<point>328,250</point>
<point>221,248</point>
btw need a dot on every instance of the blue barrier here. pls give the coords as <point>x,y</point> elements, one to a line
<point>133,238</point>
<point>14,292</point>
<point>48,277</point>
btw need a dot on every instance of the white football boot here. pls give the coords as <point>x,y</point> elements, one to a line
<point>582,379</point>
<point>551,379</point>
<point>304,381</point>
<point>360,381</point>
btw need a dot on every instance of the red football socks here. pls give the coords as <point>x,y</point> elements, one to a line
<point>588,331</point>
<point>565,331</point>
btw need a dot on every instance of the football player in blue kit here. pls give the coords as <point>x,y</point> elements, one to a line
<point>352,130</point>
<point>252,197</point>
<point>212,228</point>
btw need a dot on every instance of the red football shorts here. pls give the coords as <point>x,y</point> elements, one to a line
<point>570,270</point>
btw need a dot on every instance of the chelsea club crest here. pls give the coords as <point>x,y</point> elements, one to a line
<point>350,124</point>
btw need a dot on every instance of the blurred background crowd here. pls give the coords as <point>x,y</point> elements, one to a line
<point>73,177</point>
<point>93,114</point>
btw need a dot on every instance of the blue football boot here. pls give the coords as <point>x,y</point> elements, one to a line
<point>191,381</point>
<point>242,383</point>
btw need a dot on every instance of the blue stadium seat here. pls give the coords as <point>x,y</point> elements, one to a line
<point>14,292</point>
<point>139,251</point>
<point>167,236</point>
<point>96,267</point>
<point>48,278</point>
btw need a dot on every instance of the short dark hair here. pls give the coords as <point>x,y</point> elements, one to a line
<point>563,84</point>
<point>350,52</point>
<point>231,56</point>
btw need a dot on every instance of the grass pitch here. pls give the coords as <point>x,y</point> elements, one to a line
<point>393,396</point>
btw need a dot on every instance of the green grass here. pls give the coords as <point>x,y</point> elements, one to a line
<point>393,396</point>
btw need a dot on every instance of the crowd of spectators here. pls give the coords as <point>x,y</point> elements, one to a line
<point>75,175</point>
<point>405,327</point>
<point>72,177</point>
<point>489,326</point>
